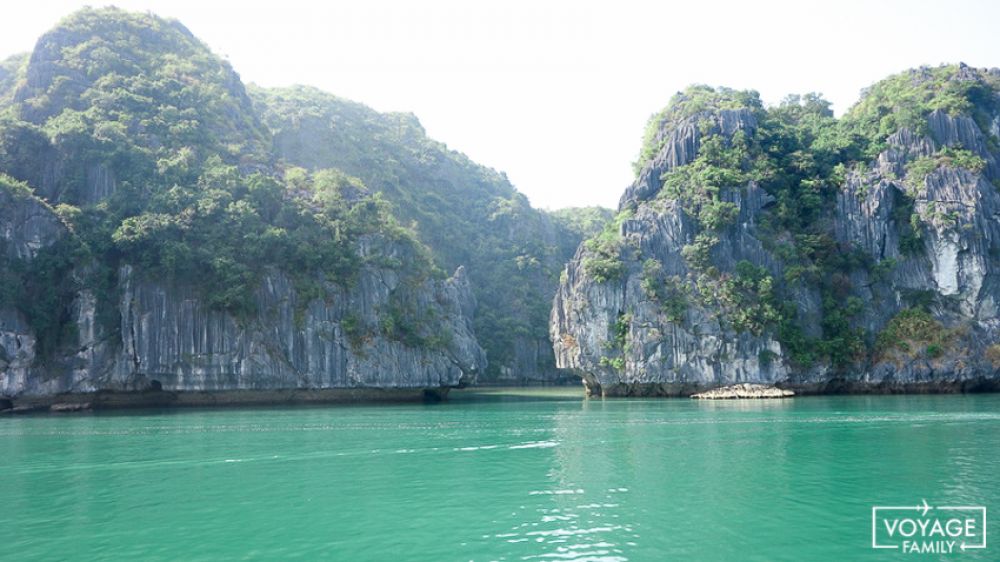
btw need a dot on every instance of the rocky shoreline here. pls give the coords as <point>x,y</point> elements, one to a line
<point>123,400</point>
<point>836,386</point>
<point>106,400</point>
<point>744,391</point>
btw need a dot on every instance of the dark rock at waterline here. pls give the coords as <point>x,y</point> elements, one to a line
<point>27,409</point>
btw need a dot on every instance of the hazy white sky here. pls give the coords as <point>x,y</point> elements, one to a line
<point>556,93</point>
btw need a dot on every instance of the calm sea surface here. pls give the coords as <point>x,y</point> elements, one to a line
<point>507,475</point>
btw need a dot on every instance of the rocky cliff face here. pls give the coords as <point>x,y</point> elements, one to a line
<point>953,263</point>
<point>27,223</point>
<point>166,338</point>
<point>896,291</point>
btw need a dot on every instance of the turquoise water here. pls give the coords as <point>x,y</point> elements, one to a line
<point>540,476</point>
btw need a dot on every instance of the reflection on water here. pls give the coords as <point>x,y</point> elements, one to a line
<point>537,474</point>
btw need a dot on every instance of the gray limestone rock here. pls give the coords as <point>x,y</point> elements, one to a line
<point>168,339</point>
<point>620,341</point>
<point>27,224</point>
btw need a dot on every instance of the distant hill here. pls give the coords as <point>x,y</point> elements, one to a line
<point>466,213</point>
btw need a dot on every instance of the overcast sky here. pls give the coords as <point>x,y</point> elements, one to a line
<point>556,93</point>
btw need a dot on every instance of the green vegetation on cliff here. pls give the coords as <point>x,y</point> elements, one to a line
<point>10,72</point>
<point>947,157</point>
<point>604,262</point>
<point>140,89</point>
<point>151,152</point>
<point>465,213</point>
<point>914,332</point>
<point>692,101</point>
<point>578,223</point>
<point>801,156</point>
<point>905,100</point>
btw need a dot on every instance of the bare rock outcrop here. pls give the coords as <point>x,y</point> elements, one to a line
<point>683,307</point>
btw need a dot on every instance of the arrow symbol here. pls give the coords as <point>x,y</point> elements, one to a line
<point>925,508</point>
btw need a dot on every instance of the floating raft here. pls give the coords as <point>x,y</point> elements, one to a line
<point>744,391</point>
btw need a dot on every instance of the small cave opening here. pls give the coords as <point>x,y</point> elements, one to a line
<point>435,394</point>
<point>155,385</point>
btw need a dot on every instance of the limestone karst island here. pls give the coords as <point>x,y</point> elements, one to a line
<point>242,318</point>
